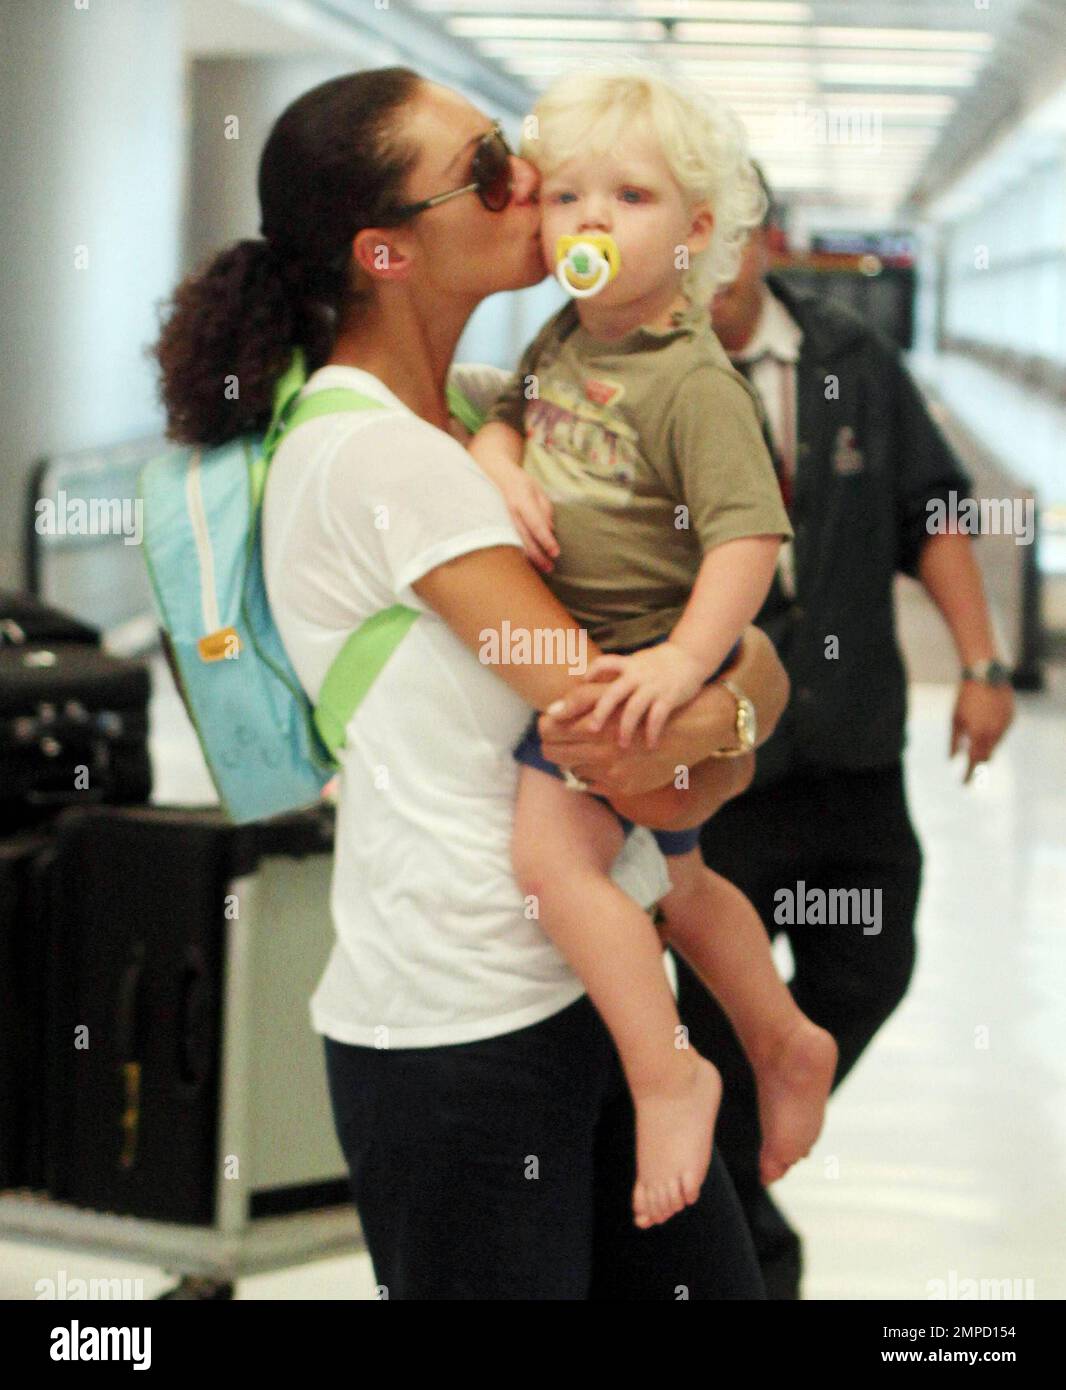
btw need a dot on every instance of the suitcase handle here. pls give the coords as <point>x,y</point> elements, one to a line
<point>127,1039</point>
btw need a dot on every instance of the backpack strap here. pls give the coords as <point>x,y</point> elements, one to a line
<point>463,410</point>
<point>362,657</point>
<point>354,670</point>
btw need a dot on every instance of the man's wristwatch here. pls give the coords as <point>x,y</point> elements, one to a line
<point>747,729</point>
<point>987,672</point>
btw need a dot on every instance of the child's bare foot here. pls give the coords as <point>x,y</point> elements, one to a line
<point>675,1133</point>
<point>793,1088</point>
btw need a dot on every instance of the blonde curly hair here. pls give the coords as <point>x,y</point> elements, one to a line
<point>704,145</point>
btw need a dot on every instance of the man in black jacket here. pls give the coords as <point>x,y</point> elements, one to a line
<point>860,461</point>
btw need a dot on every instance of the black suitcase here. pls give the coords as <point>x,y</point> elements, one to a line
<point>145,898</point>
<point>24,618</point>
<point>73,730</point>
<point>25,917</point>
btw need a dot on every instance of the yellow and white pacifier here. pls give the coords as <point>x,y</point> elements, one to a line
<point>584,264</point>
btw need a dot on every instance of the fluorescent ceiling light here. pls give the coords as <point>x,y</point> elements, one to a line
<point>555,28</point>
<point>969,40</point>
<point>900,103</point>
<point>727,9</point>
<point>823,39</point>
<point>725,53</point>
<point>893,75</point>
<point>768,10</point>
<point>538,48</point>
<point>724,35</point>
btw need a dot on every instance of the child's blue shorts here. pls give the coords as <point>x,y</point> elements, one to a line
<point>528,751</point>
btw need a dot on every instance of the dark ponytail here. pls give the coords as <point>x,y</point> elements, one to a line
<point>331,165</point>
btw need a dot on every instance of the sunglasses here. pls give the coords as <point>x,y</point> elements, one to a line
<point>491,170</point>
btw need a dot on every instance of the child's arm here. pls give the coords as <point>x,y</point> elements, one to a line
<point>497,449</point>
<point>731,586</point>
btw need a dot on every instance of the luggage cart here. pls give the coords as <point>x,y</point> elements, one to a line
<point>288,1201</point>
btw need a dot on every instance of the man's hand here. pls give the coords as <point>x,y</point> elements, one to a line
<point>983,714</point>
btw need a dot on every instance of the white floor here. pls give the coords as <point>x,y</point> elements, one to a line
<point>944,1157</point>
<point>945,1150</point>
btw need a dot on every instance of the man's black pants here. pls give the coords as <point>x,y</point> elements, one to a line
<point>820,830</point>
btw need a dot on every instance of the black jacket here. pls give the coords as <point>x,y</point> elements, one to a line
<point>869,461</point>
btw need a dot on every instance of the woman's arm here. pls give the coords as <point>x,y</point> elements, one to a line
<point>477,593</point>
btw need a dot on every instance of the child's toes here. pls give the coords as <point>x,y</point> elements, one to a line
<point>771,1169</point>
<point>642,1214</point>
<point>690,1188</point>
<point>676,1196</point>
<point>661,1206</point>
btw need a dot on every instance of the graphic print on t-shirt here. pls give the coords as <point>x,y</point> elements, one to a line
<point>576,445</point>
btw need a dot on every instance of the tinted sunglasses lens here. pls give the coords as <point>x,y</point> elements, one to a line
<point>492,172</point>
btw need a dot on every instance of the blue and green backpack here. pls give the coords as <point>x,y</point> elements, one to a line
<point>268,749</point>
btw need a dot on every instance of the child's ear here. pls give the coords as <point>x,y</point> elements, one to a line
<point>701,226</point>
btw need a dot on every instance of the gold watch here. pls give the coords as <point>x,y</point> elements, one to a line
<point>747,728</point>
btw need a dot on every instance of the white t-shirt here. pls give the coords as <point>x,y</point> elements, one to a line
<point>433,942</point>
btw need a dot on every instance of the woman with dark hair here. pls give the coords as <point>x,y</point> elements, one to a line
<point>476,1093</point>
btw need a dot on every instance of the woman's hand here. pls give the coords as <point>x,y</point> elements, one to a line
<point>690,736</point>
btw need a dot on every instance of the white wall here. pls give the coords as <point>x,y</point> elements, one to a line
<point>1006,281</point>
<point>112,140</point>
<point>90,156</point>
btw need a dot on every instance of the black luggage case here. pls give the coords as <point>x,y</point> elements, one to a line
<point>144,895</point>
<point>25,917</point>
<point>73,730</point>
<point>24,618</point>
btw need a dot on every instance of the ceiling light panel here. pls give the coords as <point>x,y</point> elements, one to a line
<point>555,29</point>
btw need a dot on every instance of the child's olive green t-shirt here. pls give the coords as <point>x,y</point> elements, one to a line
<point>651,450</point>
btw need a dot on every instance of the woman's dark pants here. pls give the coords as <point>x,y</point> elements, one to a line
<point>504,1169</point>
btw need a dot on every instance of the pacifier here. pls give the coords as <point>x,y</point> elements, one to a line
<point>584,264</point>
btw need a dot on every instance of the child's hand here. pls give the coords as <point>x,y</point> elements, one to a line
<point>531,512</point>
<point>497,449</point>
<point>653,682</point>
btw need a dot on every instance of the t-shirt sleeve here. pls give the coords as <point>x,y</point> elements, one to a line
<point>480,382</point>
<point>927,467</point>
<point>400,497</point>
<point>715,460</point>
<point>510,405</point>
